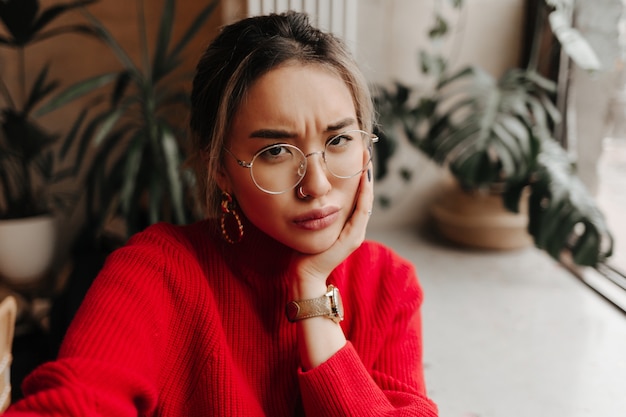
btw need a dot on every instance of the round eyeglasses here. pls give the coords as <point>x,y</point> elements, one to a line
<point>278,168</point>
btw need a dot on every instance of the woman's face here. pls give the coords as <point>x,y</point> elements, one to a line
<point>301,105</point>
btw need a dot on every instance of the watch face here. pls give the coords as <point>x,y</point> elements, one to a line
<point>336,305</point>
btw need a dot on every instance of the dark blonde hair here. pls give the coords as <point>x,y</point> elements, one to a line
<point>239,55</point>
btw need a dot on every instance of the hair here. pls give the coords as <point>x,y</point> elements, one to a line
<point>237,57</point>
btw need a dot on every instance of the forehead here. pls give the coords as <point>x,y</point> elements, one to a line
<point>296,96</point>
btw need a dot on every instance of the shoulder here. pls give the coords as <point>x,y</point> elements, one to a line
<point>168,239</point>
<point>166,261</point>
<point>165,247</point>
<point>169,234</point>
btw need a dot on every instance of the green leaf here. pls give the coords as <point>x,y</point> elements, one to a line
<point>164,36</point>
<point>23,23</point>
<point>25,136</point>
<point>108,123</point>
<point>74,92</point>
<point>132,165</point>
<point>155,199</point>
<point>57,31</point>
<point>560,202</point>
<point>172,164</point>
<point>440,29</point>
<point>573,43</point>
<point>41,88</point>
<point>73,134</point>
<point>193,29</point>
<point>54,12</point>
<point>18,17</point>
<point>108,38</point>
<point>122,83</point>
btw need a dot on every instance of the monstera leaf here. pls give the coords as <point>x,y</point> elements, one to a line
<point>562,213</point>
<point>487,131</point>
<point>497,134</point>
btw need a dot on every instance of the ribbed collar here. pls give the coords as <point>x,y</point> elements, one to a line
<point>256,256</point>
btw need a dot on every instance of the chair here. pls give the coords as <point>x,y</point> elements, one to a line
<point>8,311</point>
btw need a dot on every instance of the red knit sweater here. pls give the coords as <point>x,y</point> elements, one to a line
<point>180,323</point>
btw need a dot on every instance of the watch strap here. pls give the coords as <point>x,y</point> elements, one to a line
<point>328,305</point>
<point>304,309</point>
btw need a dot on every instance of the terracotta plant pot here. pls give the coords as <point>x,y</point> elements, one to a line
<point>27,249</point>
<point>480,220</point>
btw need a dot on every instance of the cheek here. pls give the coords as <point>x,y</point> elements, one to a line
<point>349,188</point>
<point>259,207</point>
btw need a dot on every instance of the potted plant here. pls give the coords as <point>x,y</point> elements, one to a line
<point>495,136</point>
<point>30,155</point>
<point>137,174</point>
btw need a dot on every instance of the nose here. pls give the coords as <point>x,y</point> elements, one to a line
<point>315,182</point>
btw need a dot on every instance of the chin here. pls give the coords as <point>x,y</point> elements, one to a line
<point>312,250</point>
<point>312,245</point>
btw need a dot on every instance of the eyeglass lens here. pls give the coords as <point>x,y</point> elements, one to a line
<point>279,168</point>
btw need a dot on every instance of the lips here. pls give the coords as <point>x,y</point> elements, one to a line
<point>317,219</point>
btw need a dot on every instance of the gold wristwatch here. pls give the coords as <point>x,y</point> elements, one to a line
<point>328,305</point>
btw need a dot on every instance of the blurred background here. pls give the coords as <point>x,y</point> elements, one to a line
<point>501,173</point>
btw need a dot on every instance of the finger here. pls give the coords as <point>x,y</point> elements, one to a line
<point>350,238</point>
<point>365,198</point>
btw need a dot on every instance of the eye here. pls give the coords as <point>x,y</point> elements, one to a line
<point>340,141</point>
<point>275,153</point>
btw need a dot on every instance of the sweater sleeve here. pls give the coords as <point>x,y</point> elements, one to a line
<point>379,371</point>
<point>342,387</point>
<point>108,362</point>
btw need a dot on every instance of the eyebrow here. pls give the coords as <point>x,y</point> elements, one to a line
<point>284,134</point>
<point>342,124</point>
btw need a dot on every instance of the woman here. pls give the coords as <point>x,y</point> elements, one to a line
<point>242,314</point>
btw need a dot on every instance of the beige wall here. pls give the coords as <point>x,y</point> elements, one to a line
<point>485,32</point>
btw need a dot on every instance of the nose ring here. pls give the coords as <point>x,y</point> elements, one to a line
<point>301,194</point>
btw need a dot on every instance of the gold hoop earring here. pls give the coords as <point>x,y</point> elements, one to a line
<point>228,207</point>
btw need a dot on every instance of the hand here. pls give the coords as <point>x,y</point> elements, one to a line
<point>311,271</point>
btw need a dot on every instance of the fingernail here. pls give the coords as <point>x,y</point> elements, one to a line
<point>369,174</point>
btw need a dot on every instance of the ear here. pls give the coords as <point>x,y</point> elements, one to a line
<point>223,180</point>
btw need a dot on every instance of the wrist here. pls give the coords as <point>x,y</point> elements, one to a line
<point>302,290</point>
<point>328,305</point>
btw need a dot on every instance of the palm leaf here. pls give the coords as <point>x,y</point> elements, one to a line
<point>74,92</point>
<point>18,16</point>
<point>40,89</point>
<point>173,158</point>
<point>78,28</point>
<point>68,143</point>
<point>193,29</point>
<point>133,161</point>
<point>110,40</point>
<point>164,36</point>
<point>55,11</point>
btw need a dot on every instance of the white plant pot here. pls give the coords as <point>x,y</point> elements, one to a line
<point>27,249</point>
